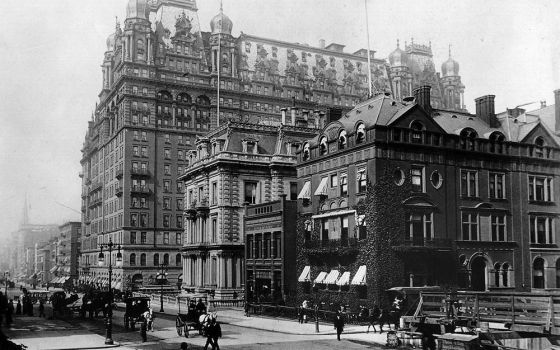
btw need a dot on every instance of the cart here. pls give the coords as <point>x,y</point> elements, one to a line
<point>189,321</point>
<point>135,308</point>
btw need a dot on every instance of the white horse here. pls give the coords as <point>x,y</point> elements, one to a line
<point>204,320</point>
<point>148,315</point>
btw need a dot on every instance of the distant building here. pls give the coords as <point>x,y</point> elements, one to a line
<point>456,199</point>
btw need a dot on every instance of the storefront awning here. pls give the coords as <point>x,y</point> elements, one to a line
<point>360,277</point>
<point>118,286</point>
<point>305,192</point>
<point>332,277</point>
<point>321,277</point>
<point>305,274</point>
<point>322,188</point>
<point>344,279</point>
<point>334,213</point>
<point>53,269</point>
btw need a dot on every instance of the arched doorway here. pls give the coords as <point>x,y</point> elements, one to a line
<point>478,274</point>
<point>538,273</point>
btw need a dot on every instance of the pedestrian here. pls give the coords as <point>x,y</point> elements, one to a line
<point>304,307</point>
<point>143,329</point>
<point>9,313</point>
<point>213,333</point>
<point>300,314</point>
<point>339,324</point>
<point>184,346</point>
<point>41,308</point>
<point>18,307</point>
<point>3,306</point>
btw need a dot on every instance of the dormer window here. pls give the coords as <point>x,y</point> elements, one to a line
<point>360,133</point>
<point>306,152</point>
<point>468,136</point>
<point>540,144</point>
<point>496,142</point>
<point>323,148</point>
<point>342,140</point>
<point>417,129</point>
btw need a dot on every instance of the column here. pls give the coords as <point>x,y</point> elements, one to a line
<point>149,50</point>
<point>238,273</point>
<point>219,272</point>
<point>173,111</point>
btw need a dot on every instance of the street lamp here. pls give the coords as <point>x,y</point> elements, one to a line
<point>6,274</point>
<point>100,260</point>
<point>161,277</point>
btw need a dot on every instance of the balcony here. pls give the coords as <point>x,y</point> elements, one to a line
<point>83,208</point>
<point>94,202</point>
<point>81,174</point>
<point>139,172</point>
<point>95,186</point>
<point>202,207</point>
<point>421,244</point>
<point>341,246</point>
<point>119,191</point>
<point>140,190</point>
<point>119,173</point>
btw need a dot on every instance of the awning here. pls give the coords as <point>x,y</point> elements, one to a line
<point>118,286</point>
<point>361,220</point>
<point>53,269</point>
<point>305,274</point>
<point>113,284</point>
<point>334,213</point>
<point>305,192</point>
<point>344,279</point>
<point>332,277</point>
<point>321,277</point>
<point>360,277</point>
<point>361,174</point>
<point>322,188</point>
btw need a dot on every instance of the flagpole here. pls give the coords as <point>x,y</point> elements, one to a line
<point>368,51</point>
<point>219,64</point>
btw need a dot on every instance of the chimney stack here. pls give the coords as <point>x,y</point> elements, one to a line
<point>422,97</point>
<point>284,115</point>
<point>321,43</point>
<point>293,110</point>
<point>557,110</point>
<point>485,110</point>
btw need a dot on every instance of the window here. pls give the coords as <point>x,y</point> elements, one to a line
<point>470,226</point>
<point>343,184</point>
<point>361,180</point>
<point>417,178</point>
<point>436,179</point>
<point>325,230</point>
<point>179,203</point>
<point>468,137</point>
<point>143,259</point>
<point>179,221</point>
<point>505,275</point>
<point>178,259</point>
<point>539,149</point>
<point>540,188</point>
<point>166,221</point>
<point>398,177</point>
<point>166,203</point>
<point>360,133</point>
<point>156,259</point>
<point>143,237</point>
<point>497,186</point>
<point>135,151</point>
<point>214,229</point>
<point>420,227</point>
<point>167,186</point>
<point>469,183</point>
<point>251,192</point>
<point>417,129</point>
<point>133,220</point>
<point>498,228</point>
<point>167,153</point>
<point>144,151</point>
<point>542,229</point>
<point>143,220</point>
<point>144,136</point>
<point>132,237</point>
<point>342,140</point>
<point>178,240</point>
<point>179,186</point>
<point>334,181</point>
<point>323,147</point>
<point>214,192</point>
<point>132,259</point>
<point>306,152</point>
<point>538,273</point>
<point>166,238</point>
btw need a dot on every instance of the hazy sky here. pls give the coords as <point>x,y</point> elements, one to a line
<point>51,53</point>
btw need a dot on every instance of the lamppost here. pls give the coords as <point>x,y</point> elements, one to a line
<point>161,277</point>
<point>6,274</point>
<point>101,258</point>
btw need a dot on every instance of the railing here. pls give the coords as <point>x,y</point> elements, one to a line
<point>291,312</point>
<point>426,243</point>
<point>139,189</point>
<point>119,191</point>
<point>332,243</point>
<point>136,171</point>
<point>119,173</point>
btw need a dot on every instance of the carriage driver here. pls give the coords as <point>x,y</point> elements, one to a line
<point>200,307</point>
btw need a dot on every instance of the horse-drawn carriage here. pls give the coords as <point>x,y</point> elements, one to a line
<point>137,309</point>
<point>62,305</point>
<point>196,317</point>
<point>94,302</point>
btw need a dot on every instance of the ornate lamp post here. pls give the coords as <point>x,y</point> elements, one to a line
<point>161,277</point>
<point>101,258</point>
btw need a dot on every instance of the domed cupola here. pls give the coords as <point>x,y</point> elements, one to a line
<point>450,68</point>
<point>398,58</point>
<point>221,24</point>
<point>138,9</point>
<point>183,25</point>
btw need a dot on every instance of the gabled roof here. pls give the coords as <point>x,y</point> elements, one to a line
<point>454,122</point>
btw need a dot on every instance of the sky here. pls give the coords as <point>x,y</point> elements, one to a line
<point>51,53</point>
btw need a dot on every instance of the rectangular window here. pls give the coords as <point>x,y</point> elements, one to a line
<point>361,180</point>
<point>132,237</point>
<point>325,230</point>
<point>133,220</point>
<point>542,229</point>
<point>266,246</point>
<point>166,203</point>
<point>179,203</point>
<point>166,238</point>
<point>167,186</point>
<point>143,237</point>
<point>250,246</point>
<point>144,151</point>
<point>497,186</point>
<point>167,153</point>
<point>343,184</point>
<point>179,186</point>
<point>334,181</point>
<point>469,183</point>
<point>135,151</point>
<point>251,192</point>
<point>214,192</point>
<point>498,223</point>
<point>144,136</point>
<point>144,220</point>
<point>178,240</point>
<point>470,226</point>
<point>166,221</point>
<point>166,169</point>
<point>179,221</point>
<point>420,228</point>
<point>417,178</point>
<point>293,191</point>
<point>540,188</point>
<point>214,230</point>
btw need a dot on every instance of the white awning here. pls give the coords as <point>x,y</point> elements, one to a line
<point>361,220</point>
<point>53,269</point>
<point>118,286</point>
<point>321,277</point>
<point>305,192</point>
<point>361,174</point>
<point>334,213</point>
<point>332,277</point>
<point>344,279</point>
<point>322,188</point>
<point>305,274</point>
<point>360,277</point>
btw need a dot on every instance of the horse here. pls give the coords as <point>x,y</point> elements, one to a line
<point>149,316</point>
<point>204,321</point>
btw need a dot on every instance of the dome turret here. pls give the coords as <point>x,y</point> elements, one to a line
<point>450,68</point>
<point>138,9</point>
<point>221,24</point>
<point>398,58</point>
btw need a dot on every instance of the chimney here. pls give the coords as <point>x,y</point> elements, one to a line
<point>485,110</point>
<point>293,110</point>
<point>422,97</point>
<point>543,103</point>
<point>284,115</point>
<point>321,43</point>
<point>557,109</point>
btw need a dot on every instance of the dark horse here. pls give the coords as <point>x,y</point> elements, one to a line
<point>94,302</point>
<point>60,302</point>
<point>385,317</point>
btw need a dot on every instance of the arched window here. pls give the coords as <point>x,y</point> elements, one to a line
<point>417,129</point>
<point>539,149</point>
<point>178,260</point>
<point>497,268</point>
<point>143,259</point>
<point>468,136</point>
<point>497,140</point>
<point>360,133</point>
<point>166,259</point>
<point>184,97</point>
<point>203,100</point>
<point>538,273</point>
<point>156,259</point>
<point>505,275</point>
<point>342,140</point>
<point>306,152</point>
<point>132,259</point>
<point>140,50</point>
<point>323,147</point>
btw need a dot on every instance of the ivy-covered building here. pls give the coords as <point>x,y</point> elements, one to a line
<point>396,193</point>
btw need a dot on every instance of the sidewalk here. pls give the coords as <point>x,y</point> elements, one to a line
<point>44,334</point>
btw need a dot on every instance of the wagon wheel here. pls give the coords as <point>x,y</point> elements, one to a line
<point>186,330</point>
<point>179,326</point>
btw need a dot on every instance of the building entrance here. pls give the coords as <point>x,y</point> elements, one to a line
<point>478,274</point>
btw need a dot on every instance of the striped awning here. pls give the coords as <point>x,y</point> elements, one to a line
<point>53,269</point>
<point>320,277</point>
<point>118,286</point>
<point>305,275</point>
<point>332,277</point>
<point>322,188</point>
<point>305,192</point>
<point>344,279</point>
<point>360,277</point>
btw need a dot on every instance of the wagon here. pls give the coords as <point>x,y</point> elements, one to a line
<point>135,307</point>
<point>189,321</point>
